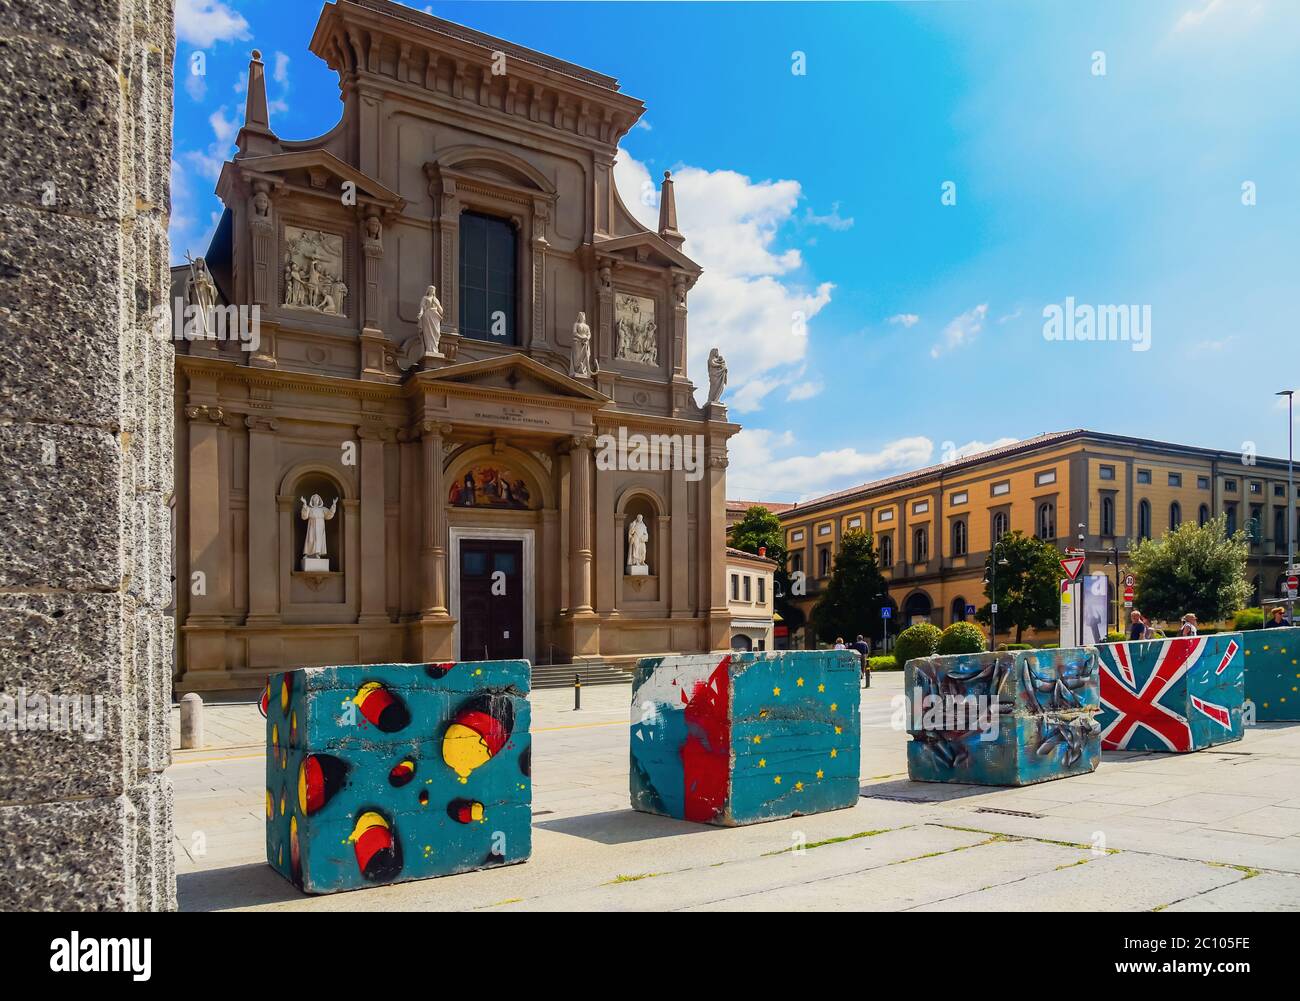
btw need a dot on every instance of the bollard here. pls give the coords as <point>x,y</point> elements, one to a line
<point>191,721</point>
<point>577,692</point>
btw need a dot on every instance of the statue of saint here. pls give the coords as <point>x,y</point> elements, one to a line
<point>581,364</point>
<point>201,293</point>
<point>424,344</point>
<point>315,514</point>
<point>638,537</point>
<point>717,375</point>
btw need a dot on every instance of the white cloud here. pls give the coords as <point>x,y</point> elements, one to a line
<point>803,391</point>
<point>952,451</point>
<point>280,74</point>
<point>744,304</point>
<point>205,22</point>
<point>1192,18</point>
<point>961,330</point>
<point>196,85</point>
<point>834,220</point>
<point>756,471</point>
<point>905,319</point>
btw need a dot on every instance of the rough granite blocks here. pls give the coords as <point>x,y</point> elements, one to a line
<point>387,773</point>
<point>745,737</point>
<point>1273,673</point>
<point>1012,718</point>
<point>86,456</point>
<point>1181,694</point>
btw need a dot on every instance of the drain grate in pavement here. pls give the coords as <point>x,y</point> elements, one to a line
<point>1010,813</point>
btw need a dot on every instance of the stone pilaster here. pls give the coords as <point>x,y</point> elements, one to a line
<point>374,574</point>
<point>86,457</point>
<point>263,523</point>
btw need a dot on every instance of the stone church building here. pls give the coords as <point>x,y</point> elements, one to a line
<point>423,444</point>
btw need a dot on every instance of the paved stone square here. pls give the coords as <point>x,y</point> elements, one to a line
<point>1218,830</point>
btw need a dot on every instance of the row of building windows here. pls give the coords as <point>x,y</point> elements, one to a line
<point>1045,528</point>
<point>738,580</point>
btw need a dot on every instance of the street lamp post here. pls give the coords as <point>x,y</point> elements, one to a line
<point>1290,496</point>
<point>1114,557</point>
<point>992,581</point>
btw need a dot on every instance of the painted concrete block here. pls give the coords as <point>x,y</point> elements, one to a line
<point>1273,673</point>
<point>745,737</point>
<point>1010,718</point>
<point>1180,694</point>
<point>386,773</point>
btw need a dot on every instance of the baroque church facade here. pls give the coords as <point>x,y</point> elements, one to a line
<point>457,316</point>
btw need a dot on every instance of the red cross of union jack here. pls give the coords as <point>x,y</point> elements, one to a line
<point>1143,708</point>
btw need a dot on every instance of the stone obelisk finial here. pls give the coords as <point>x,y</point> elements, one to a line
<point>255,137</point>
<point>668,213</point>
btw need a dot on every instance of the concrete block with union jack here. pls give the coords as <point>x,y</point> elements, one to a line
<point>1010,718</point>
<point>1273,673</point>
<point>1180,694</point>
<point>392,772</point>
<point>745,737</point>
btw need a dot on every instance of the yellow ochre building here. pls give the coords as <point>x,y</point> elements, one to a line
<point>933,527</point>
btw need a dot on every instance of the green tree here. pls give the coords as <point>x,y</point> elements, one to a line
<point>759,529</point>
<point>1028,586</point>
<point>854,594</point>
<point>1198,569</point>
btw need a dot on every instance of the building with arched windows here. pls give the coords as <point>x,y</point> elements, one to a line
<point>933,528</point>
<point>467,395</point>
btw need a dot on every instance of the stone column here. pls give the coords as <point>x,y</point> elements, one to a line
<point>434,536</point>
<point>86,454</point>
<point>580,533</point>
<point>263,523</point>
<point>374,574</point>
<point>374,346</point>
<point>209,562</point>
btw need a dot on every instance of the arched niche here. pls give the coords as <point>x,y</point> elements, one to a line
<point>641,500</point>
<point>319,596</point>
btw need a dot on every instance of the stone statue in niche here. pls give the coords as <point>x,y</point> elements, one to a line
<point>717,375</point>
<point>637,335</point>
<point>423,345</point>
<point>315,555</point>
<point>638,538</point>
<point>581,364</point>
<point>313,271</point>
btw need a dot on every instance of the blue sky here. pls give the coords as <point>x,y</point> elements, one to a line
<point>1097,151</point>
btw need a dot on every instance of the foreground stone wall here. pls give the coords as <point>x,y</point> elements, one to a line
<point>85,454</point>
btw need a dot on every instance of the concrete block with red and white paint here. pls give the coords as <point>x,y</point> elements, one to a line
<point>740,738</point>
<point>1180,694</point>
<point>1273,673</point>
<point>385,773</point>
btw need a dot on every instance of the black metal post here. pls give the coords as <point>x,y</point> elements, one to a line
<point>577,692</point>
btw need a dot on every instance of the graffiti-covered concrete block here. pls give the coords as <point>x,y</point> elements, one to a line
<point>745,737</point>
<point>385,773</point>
<point>1011,718</point>
<point>1180,694</point>
<point>1273,673</point>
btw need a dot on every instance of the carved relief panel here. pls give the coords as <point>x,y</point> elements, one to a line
<point>312,272</point>
<point>636,335</point>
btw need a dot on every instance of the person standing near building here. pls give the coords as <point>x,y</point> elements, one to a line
<point>1137,627</point>
<point>864,654</point>
<point>1277,618</point>
<point>1189,625</point>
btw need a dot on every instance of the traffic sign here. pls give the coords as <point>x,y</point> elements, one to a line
<point>1129,581</point>
<point>1293,585</point>
<point>1072,565</point>
<point>970,609</point>
<point>886,612</point>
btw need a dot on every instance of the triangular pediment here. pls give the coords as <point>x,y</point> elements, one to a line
<point>320,164</point>
<point>647,248</point>
<point>516,373</point>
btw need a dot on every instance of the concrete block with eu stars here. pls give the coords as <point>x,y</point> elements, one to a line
<point>740,738</point>
<point>386,773</point>
<point>1273,673</point>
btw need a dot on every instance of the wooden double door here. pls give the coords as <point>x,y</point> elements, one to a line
<point>491,599</point>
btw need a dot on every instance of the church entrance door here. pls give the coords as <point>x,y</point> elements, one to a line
<point>491,599</point>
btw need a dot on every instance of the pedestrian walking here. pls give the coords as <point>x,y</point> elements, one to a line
<point>1188,627</point>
